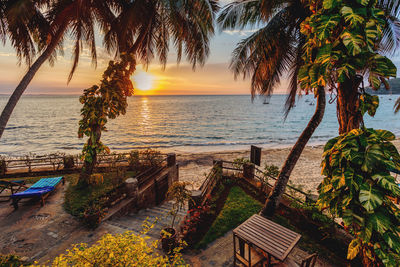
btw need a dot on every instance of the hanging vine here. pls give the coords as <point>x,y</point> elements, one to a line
<point>101,103</point>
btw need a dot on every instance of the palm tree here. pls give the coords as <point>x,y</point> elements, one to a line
<point>267,54</point>
<point>143,30</point>
<point>275,50</point>
<point>23,21</point>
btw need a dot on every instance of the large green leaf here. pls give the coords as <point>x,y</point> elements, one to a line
<point>351,16</point>
<point>370,198</point>
<point>387,182</point>
<point>386,135</point>
<point>353,42</point>
<point>392,240</point>
<point>326,25</point>
<point>373,156</point>
<point>380,222</point>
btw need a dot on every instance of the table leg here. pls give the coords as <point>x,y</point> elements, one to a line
<point>234,251</point>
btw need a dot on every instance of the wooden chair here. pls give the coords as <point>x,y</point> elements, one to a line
<point>307,262</point>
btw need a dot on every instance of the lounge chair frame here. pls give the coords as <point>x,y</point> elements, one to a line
<point>42,197</point>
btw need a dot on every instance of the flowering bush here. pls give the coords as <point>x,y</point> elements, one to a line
<point>192,221</point>
<point>126,249</point>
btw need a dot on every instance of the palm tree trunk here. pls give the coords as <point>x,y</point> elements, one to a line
<point>20,89</point>
<point>348,103</point>
<point>280,185</point>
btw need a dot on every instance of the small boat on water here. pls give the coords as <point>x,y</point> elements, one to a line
<point>312,104</point>
<point>307,100</point>
<point>266,100</point>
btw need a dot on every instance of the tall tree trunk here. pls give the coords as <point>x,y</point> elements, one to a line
<point>275,196</point>
<point>348,103</point>
<point>88,167</point>
<point>20,89</point>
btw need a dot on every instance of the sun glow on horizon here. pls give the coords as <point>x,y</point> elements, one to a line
<point>143,81</point>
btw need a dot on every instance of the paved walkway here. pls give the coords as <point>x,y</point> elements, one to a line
<point>133,222</point>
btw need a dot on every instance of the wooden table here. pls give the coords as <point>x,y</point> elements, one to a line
<point>266,235</point>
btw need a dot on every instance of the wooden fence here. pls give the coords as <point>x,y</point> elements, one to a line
<point>251,173</point>
<point>58,163</point>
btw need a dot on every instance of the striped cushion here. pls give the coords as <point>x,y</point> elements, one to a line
<point>45,182</point>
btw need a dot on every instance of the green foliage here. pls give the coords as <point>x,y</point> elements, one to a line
<point>78,199</point>
<point>68,162</point>
<point>133,160</point>
<point>3,165</point>
<point>152,157</point>
<point>179,194</point>
<point>127,249</point>
<point>343,41</point>
<point>271,170</point>
<point>100,103</point>
<point>238,207</point>
<point>239,162</point>
<point>357,187</point>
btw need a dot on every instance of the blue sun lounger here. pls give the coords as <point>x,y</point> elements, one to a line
<point>40,190</point>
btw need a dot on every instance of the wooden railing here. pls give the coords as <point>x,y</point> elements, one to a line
<point>71,163</point>
<point>249,171</point>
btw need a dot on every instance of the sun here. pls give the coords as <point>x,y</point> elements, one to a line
<point>143,81</point>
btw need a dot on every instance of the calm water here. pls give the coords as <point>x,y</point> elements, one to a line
<point>45,124</point>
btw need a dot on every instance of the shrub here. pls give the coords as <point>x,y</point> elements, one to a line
<point>3,165</point>
<point>68,162</point>
<point>357,187</point>
<point>127,249</point>
<point>133,160</point>
<point>152,157</point>
<point>10,260</point>
<point>93,214</point>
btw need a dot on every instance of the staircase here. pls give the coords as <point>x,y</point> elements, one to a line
<point>158,214</point>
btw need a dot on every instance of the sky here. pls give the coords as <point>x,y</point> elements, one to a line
<point>214,78</point>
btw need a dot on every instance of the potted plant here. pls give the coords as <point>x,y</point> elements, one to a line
<point>93,215</point>
<point>179,195</point>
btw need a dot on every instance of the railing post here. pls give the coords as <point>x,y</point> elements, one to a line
<point>218,163</point>
<point>248,171</point>
<point>132,190</point>
<point>173,169</point>
<point>171,159</point>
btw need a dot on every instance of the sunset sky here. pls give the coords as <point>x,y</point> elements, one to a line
<point>213,78</point>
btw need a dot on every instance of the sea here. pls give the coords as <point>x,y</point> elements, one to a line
<point>43,124</point>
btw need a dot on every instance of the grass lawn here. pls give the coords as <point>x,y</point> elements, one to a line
<point>77,199</point>
<point>238,207</point>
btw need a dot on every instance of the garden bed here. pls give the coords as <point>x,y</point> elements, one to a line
<point>233,200</point>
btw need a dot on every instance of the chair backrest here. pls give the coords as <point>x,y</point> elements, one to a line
<point>309,261</point>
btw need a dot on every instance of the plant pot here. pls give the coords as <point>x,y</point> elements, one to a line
<point>168,239</point>
<point>92,220</point>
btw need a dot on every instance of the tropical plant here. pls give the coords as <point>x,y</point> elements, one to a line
<point>141,28</point>
<point>278,48</point>
<point>357,187</point>
<point>344,42</point>
<point>179,194</point>
<point>44,24</point>
<point>101,103</point>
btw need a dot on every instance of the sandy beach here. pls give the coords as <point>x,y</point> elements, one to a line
<point>307,173</point>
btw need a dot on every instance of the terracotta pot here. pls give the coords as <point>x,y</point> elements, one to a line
<point>168,239</point>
